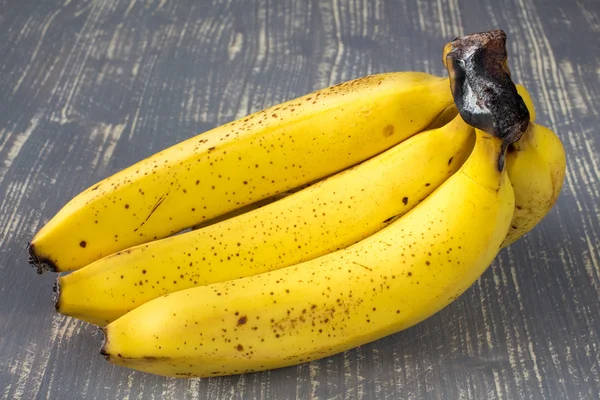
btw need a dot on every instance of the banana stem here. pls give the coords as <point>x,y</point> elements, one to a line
<point>484,93</point>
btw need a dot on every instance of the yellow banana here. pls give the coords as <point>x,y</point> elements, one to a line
<point>387,282</point>
<point>239,163</point>
<point>536,166</point>
<point>320,219</point>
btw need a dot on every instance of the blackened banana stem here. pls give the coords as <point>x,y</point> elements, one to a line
<point>483,90</point>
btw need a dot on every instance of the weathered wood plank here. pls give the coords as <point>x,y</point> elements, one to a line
<point>90,87</point>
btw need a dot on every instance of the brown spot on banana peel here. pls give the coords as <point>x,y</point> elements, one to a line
<point>483,91</point>
<point>388,131</point>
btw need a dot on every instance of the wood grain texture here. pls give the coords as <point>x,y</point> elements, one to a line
<point>89,87</point>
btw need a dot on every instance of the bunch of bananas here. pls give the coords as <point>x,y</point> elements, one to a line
<point>317,225</point>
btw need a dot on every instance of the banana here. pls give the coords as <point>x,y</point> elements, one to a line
<point>239,163</point>
<point>385,283</point>
<point>320,219</point>
<point>536,166</point>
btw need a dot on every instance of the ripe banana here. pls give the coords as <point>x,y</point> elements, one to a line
<point>387,282</point>
<point>239,163</point>
<point>328,216</point>
<point>536,166</point>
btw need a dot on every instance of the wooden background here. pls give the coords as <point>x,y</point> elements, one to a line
<point>89,87</point>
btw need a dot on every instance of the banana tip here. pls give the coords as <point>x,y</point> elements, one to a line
<point>40,263</point>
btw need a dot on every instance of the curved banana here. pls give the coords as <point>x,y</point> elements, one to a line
<point>536,167</point>
<point>239,163</point>
<point>320,219</point>
<point>385,283</point>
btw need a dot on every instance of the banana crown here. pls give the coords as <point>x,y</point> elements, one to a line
<point>483,91</point>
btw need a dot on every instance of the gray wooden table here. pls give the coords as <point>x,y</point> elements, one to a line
<point>89,87</point>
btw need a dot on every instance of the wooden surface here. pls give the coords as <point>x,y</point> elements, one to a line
<point>89,87</point>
